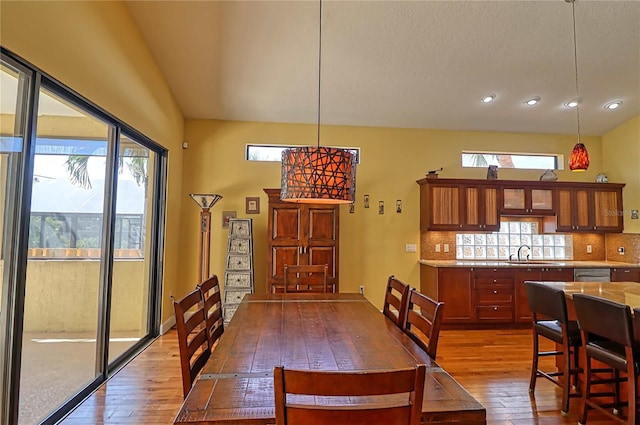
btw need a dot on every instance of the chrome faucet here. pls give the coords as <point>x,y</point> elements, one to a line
<point>520,249</point>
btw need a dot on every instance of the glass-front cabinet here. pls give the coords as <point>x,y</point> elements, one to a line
<point>527,200</point>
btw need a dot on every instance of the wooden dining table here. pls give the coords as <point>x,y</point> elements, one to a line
<point>333,332</point>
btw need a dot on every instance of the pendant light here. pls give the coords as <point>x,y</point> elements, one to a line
<point>318,174</point>
<point>579,158</point>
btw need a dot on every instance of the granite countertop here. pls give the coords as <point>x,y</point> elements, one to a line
<point>531,264</point>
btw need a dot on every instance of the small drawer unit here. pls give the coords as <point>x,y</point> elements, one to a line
<point>238,277</point>
<point>493,290</point>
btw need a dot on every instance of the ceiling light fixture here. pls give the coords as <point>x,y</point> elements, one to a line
<point>579,158</point>
<point>488,99</point>
<point>318,174</point>
<point>572,103</point>
<point>613,105</point>
<point>533,101</point>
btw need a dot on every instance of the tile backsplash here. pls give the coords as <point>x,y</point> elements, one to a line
<point>631,244</point>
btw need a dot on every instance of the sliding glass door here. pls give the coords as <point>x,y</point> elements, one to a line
<point>80,225</point>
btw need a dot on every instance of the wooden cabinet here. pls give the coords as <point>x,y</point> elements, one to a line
<point>527,200</point>
<point>476,205</point>
<point>459,206</point>
<point>301,234</point>
<point>627,274</point>
<point>493,291</point>
<point>593,208</point>
<point>483,296</point>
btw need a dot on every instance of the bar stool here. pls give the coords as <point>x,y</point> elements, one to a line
<point>608,337</point>
<point>549,311</point>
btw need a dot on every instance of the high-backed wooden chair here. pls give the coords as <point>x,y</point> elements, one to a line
<point>193,339</point>
<point>306,278</point>
<point>395,300</point>
<point>212,300</point>
<point>549,314</point>
<point>354,398</point>
<point>608,337</point>
<point>422,321</point>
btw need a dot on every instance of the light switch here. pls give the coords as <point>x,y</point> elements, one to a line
<point>437,247</point>
<point>589,249</point>
<point>446,247</point>
<point>410,247</point>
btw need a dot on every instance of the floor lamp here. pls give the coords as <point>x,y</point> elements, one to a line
<point>204,201</point>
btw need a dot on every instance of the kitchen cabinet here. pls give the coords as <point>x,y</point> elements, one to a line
<point>592,208</point>
<point>452,286</point>
<point>522,274</point>
<point>625,274</point>
<point>453,206</point>
<point>493,291</point>
<point>301,234</point>
<point>527,200</point>
<point>486,296</point>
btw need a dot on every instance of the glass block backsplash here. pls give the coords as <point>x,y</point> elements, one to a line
<point>513,234</point>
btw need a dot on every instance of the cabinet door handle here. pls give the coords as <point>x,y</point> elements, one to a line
<point>495,292</point>
<point>300,250</point>
<point>494,281</point>
<point>495,308</point>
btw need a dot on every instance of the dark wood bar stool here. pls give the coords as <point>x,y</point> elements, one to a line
<point>395,300</point>
<point>608,337</point>
<point>549,311</point>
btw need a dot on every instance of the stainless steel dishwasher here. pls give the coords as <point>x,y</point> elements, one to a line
<point>592,275</point>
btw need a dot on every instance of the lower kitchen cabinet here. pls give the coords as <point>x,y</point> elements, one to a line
<point>619,274</point>
<point>486,296</point>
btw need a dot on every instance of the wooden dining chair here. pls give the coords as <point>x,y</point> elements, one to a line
<point>550,320</point>
<point>193,339</point>
<point>354,398</point>
<point>212,301</point>
<point>395,300</point>
<point>422,321</point>
<point>306,278</point>
<point>608,338</point>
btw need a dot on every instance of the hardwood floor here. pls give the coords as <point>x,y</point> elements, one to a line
<point>491,365</point>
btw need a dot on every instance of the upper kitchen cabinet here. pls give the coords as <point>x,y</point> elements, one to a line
<point>521,199</point>
<point>595,207</point>
<point>458,205</point>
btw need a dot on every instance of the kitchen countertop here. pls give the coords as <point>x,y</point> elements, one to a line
<point>532,264</point>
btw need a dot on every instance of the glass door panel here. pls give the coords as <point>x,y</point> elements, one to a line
<point>13,85</point>
<point>131,253</point>
<point>63,269</point>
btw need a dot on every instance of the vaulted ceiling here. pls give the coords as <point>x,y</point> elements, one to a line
<point>411,64</point>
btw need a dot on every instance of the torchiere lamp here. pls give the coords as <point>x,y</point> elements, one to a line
<point>204,201</point>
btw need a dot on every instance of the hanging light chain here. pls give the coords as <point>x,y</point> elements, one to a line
<point>575,62</point>
<point>319,69</point>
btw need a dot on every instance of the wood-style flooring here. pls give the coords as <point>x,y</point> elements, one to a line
<point>494,366</point>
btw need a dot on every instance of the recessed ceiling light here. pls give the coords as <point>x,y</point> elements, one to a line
<point>613,105</point>
<point>572,103</point>
<point>533,101</point>
<point>488,99</point>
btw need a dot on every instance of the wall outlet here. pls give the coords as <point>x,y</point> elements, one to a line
<point>621,250</point>
<point>361,289</point>
<point>589,249</point>
<point>437,247</point>
<point>410,247</point>
<point>446,247</point>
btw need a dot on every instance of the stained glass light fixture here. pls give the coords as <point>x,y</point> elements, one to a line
<point>318,174</point>
<point>205,201</point>
<point>579,158</point>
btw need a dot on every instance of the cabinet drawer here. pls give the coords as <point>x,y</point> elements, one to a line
<point>495,312</point>
<point>494,273</point>
<point>493,283</point>
<point>494,296</point>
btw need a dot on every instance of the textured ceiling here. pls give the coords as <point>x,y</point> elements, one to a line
<point>418,64</point>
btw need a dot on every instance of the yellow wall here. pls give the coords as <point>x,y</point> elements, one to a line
<point>96,49</point>
<point>371,245</point>
<point>621,159</point>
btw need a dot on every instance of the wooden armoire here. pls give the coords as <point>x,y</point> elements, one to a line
<point>301,234</point>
